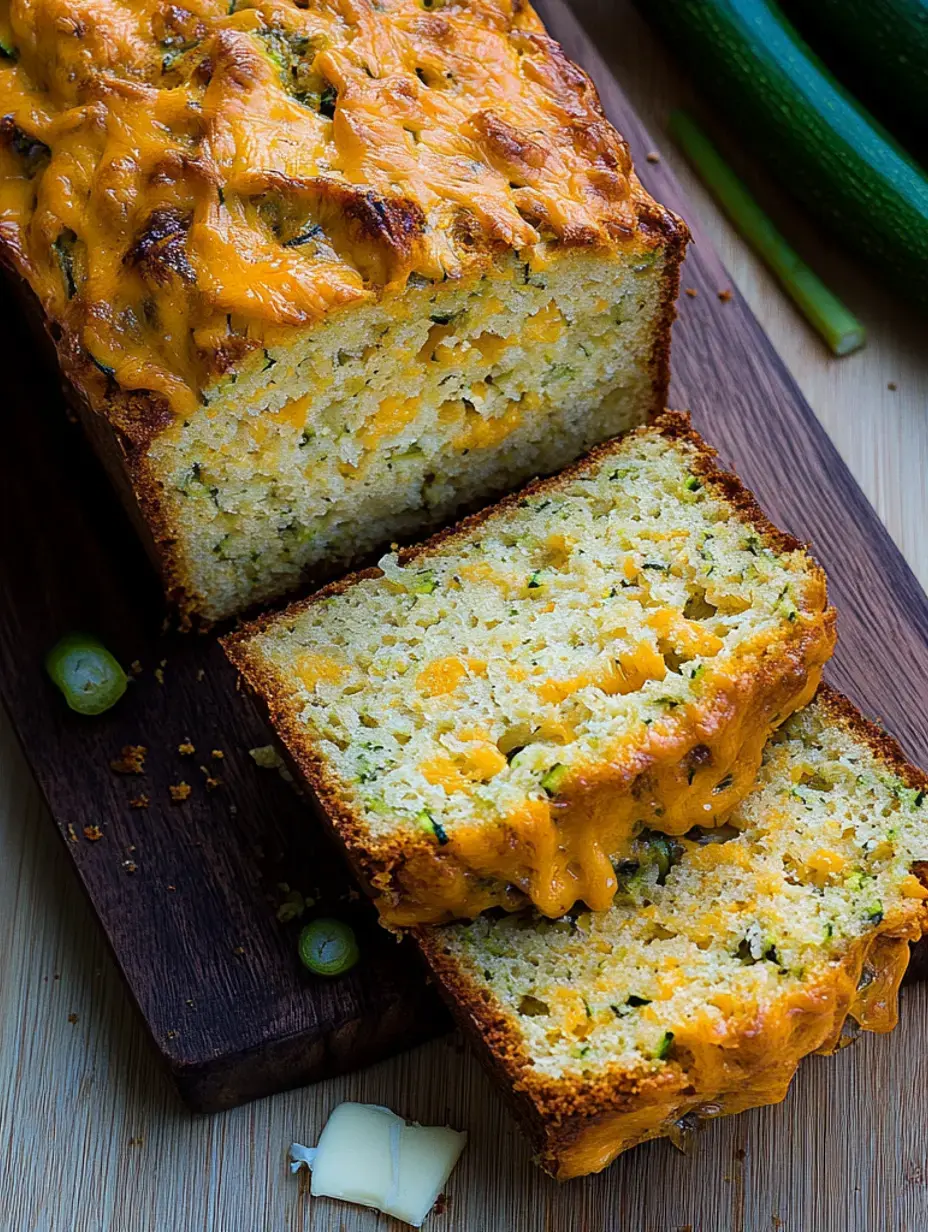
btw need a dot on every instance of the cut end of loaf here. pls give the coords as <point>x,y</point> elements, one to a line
<point>724,959</point>
<point>496,715</point>
<point>389,419</point>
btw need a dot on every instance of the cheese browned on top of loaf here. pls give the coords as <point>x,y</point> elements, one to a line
<point>497,715</point>
<point>323,273</point>
<point>725,958</point>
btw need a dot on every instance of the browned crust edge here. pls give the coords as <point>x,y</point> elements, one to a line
<point>374,863</point>
<point>554,1111</point>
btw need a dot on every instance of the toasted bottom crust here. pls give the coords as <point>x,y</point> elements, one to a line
<point>580,1126</point>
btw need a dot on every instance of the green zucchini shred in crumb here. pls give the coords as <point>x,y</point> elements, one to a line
<point>425,584</point>
<point>662,1052</point>
<point>428,823</point>
<point>553,780</point>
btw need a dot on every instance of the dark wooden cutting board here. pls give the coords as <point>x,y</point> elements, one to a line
<point>188,894</point>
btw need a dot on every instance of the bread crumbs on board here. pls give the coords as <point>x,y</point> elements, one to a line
<point>135,668</point>
<point>186,748</point>
<point>725,295</point>
<point>217,754</point>
<point>691,292</point>
<point>179,792</point>
<point>201,673</point>
<point>159,675</point>
<point>93,834</point>
<point>139,802</point>
<point>72,833</point>
<point>131,759</point>
<point>72,1018</point>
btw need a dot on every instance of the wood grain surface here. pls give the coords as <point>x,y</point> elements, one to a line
<point>93,1135</point>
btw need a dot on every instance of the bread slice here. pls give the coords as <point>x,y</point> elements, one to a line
<point>727,956</point>
<point>322,275</point>
<point>496,714</point>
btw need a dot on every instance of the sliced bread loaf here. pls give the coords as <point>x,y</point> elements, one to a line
<point>495,715</point>
<point>726,957</point>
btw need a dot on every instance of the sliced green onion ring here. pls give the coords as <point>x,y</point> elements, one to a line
<point>328,947</point>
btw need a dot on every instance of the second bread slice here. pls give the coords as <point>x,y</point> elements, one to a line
<point>494,716</point>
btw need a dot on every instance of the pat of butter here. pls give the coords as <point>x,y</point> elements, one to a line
<point>369,1155</point>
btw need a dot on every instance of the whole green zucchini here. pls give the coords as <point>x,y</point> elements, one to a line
<point>879,48</point>
<point>794,116</point>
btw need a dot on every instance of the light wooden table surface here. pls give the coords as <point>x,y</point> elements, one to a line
<point>94,1140</point>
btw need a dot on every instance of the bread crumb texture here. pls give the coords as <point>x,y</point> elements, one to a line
<point>723,960</point>
<point>332,271</point>
<point>499,714</point>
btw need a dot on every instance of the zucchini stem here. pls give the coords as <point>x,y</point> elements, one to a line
<point>835,324</point>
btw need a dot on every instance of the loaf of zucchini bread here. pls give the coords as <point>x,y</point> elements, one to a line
<point>494,716</point>
<point>323,274</point>
<point>726,957</point>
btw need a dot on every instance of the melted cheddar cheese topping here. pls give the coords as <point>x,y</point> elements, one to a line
<point>183,184</point>
<point>727,1078</point>
<point>558,851</point>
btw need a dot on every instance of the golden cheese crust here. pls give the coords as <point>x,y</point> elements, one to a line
<point>184,185</point>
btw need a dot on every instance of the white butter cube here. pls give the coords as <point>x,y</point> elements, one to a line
<point>369,1155</point>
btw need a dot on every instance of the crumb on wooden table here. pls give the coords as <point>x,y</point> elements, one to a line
<point>140,801</point>
<point>135,668</point>
<point>131,759</point>
<point>93,833</point>
<point>72,1018</point>
<point>201,673</point>
<point>652,156</point>
<point>171,889</point>
<point>891,385</point>
<point>725,295</point>
<point>136,1141</point>
<point>159,675</point>
<point>218,754</point>
<point>179,792</point>
<point>72,833</point>
<point>130,866</point>
<point>186,748</point>
<point>691,292</point>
